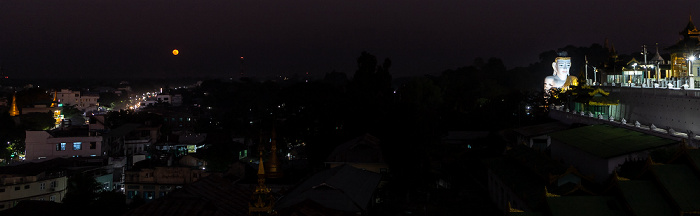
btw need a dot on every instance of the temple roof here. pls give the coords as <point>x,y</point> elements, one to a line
<point>681,184</point>
<point>584,205</point>
<point>690,26</point>
<point>694,156</point>
<point>644,198</point>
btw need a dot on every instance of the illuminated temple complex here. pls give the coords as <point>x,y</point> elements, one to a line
<point>660,92</point>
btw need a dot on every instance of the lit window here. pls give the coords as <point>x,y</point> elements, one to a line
<point>63,147</point>
<point>77,146</point>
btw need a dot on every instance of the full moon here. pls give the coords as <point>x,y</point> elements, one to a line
<point>175,52</point>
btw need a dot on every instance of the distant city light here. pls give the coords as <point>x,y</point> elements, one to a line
<point>175,52</point>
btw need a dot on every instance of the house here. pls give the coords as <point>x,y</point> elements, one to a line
<point>130,139</point>
<point>537,136</point>
<point>83,101</point>
<point>211,195</point>
<point>53,144</point>
<point>151,181</point>
<point>43,181</point>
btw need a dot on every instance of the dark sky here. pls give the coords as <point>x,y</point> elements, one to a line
<point>134,38</point>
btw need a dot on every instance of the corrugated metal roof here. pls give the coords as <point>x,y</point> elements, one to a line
<point>343,188</point>
<point>363,149</point>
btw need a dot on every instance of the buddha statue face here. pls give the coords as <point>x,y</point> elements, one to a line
<point>561,67</point>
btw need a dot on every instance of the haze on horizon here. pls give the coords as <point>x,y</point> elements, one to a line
<point>130,38</point>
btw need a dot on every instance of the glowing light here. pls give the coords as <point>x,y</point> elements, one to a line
<point>175,52</point>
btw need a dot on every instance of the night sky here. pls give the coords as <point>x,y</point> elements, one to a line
<point>134,38</point>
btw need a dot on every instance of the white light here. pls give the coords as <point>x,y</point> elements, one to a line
<point>692,58</point>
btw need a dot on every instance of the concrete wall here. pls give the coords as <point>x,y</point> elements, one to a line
<point>40,144</point>
<point>664,108</point>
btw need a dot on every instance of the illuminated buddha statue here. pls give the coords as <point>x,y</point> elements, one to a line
<point>560,78</point>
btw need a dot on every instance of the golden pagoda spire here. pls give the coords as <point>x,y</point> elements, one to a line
<point>261,177</point>
<point>273,164</point>
<point>262,201</point>
<point>13,110</point>
<point>55,99</point>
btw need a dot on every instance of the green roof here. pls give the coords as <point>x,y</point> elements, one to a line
<point>606,141</point>
<point>694,155</point>
<point>681,183</point>
<point>644,198</point>
<point>584,206</point>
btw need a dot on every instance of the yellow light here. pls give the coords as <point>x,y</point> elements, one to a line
<point>175,52</point>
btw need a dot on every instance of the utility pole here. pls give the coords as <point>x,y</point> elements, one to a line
<point>646,72</point>
<point>586,59</point>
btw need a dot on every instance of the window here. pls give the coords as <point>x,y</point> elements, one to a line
<point>77,146</point>
<point>17,188</point>
<point>131,194</point>
<point>2,190</point>
<point>149,195</point>
<point>61,147</point>
<point>93,145</point>
<point>54,184</point>
<point>52,198</point>
<point>42,186</point>
<point>26,186</point>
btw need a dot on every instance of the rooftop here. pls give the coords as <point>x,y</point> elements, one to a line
<point>540,129</point>
<point>644,198</point>
<point>606,141</point>
<point>342,188</point>
<point>681,184</point>
<point>584,205</point>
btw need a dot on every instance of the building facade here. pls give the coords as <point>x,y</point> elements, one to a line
<point>156,182</point>
<point>30,182</point>
<point>43,145</point>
